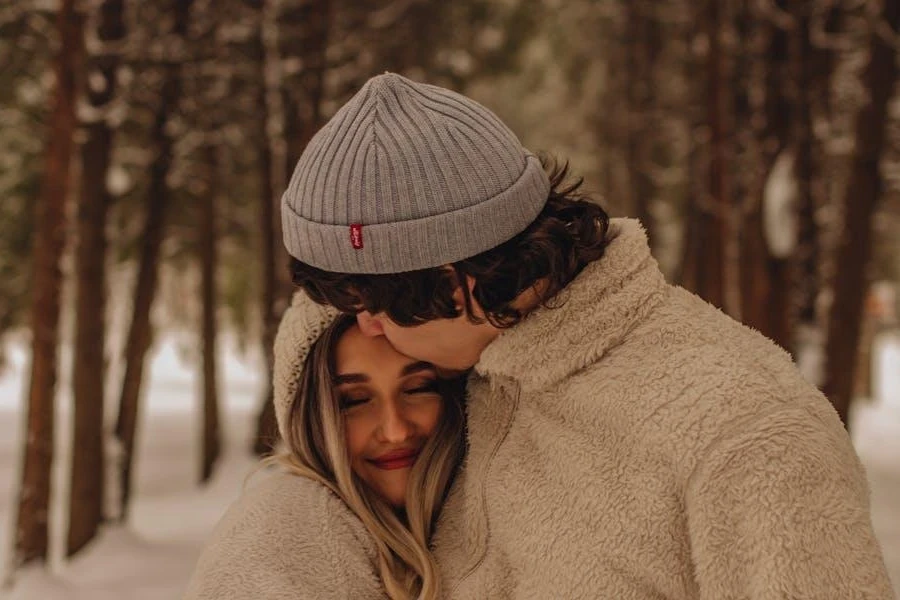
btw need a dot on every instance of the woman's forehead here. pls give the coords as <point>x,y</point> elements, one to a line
<point>356,352</point>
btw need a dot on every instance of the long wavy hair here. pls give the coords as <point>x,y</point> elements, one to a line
<point>316,448</point>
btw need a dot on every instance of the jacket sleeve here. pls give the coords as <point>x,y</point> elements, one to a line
<point>779,508</point>
<point>289,538</point>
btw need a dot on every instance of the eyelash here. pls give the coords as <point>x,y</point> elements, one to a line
<point>346,402</point>
<point>425,388</point>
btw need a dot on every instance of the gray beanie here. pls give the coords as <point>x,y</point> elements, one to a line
<point>409,176</point>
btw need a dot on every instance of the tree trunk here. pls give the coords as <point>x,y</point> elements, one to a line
<point>31,541</point>
<point>302,106</point>
<point>716,258</point>
<point>709,215</point>
<point>613,122</point>
<point>813,68</point>
<point>274,268</point>
<point>642,42</point>
<point>805,259</point>
<point>689,271</point>
<point>139,333</point>
<point>88,464</point>
<point>765,294</point>
<point>211,443</point>
<point>303,99</point>
<point>637,85</point>
<point>861,196</point>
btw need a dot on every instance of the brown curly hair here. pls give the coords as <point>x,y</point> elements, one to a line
<point>569,233</point>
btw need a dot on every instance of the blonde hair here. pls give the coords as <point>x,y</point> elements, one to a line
<point>316,449</point>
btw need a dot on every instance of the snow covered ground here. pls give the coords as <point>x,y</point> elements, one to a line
<point>153,556</point>
<point>171,515</point>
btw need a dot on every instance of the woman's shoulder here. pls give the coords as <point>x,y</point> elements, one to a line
<point>276,493</point>
<point>287,536</point>
<point>285,504</point>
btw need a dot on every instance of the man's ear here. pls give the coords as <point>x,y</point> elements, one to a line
<point>459,299</point>
<point>369,325</point>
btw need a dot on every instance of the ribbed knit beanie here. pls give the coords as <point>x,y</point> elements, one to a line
<point>409,176</point>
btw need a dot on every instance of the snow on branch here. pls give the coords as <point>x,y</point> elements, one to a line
<point>112,113</point>
<point>819,35</point>
<point>881,28</point>
<point>15,12</point>
<point>780,17</point>
<point>389,15</point>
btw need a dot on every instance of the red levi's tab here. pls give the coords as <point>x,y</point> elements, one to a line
<point>356,236</point>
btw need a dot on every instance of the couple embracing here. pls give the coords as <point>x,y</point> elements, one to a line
<point>486,389</point>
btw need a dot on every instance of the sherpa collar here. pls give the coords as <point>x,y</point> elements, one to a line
<point>592,315</point>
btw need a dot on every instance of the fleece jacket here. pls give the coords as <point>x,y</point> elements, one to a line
<point>628,442</point>
<point>632,442</point>
<point>287,538</point>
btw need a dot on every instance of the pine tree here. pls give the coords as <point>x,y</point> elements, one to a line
<point>157,204</point>
<point>211,442</point>
<point>860,199</point>
<point>49,242</point>
<point>88,462</point>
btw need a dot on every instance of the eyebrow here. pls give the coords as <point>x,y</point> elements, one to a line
<point>361,378</point>
<point>416,367</point>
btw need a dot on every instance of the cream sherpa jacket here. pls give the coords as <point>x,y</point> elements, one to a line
<point>637,444</point>
<point>632,444</point>
<point>287,538</point>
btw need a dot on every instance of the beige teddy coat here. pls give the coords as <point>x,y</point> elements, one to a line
<point>636,444</point>
<point>287,538</point>
<point>632,443</point>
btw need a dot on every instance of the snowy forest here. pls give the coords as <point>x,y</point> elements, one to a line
<point>144,147</point>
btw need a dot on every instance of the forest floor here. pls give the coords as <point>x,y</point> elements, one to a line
<point>153,556</point>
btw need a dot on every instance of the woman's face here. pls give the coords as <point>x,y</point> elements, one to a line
<point>390,407</point>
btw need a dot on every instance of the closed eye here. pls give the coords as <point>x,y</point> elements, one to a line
<point>348,402</point>
<point>426,388</point>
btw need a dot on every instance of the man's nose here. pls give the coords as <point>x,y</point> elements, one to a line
<point>369,325</point>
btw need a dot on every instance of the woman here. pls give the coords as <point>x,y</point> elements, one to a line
<point>372,441</point>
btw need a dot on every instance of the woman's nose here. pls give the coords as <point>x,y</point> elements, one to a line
<point>369,325</point>
<point>395,426</point>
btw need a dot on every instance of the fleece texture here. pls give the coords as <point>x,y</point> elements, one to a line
<point>287,538</point>
<point>634,443</point>
<point>301,325</point>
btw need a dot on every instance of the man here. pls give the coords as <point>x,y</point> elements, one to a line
<point>626,439</point>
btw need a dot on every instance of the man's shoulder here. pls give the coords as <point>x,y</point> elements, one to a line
<point>689,366</point>
<point>686,331</point>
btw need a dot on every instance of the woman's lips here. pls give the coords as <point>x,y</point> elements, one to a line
<point>400,459</point>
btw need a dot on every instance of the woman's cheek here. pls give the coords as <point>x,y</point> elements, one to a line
<point>430,415</point>
<point>357,434</point>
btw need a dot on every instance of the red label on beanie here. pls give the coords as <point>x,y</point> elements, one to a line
<point>356,236</point>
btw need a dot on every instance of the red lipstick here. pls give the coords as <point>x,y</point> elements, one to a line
<point>396,459</point>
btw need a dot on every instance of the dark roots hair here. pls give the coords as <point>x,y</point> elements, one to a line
<point>569,233</point>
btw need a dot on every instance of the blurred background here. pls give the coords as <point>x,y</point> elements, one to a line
<point>144,146</point>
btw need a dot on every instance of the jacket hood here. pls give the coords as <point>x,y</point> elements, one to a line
<point>302,324</point>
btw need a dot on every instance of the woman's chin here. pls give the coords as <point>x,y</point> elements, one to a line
<point>390,485</point>
<point>395,498</point>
